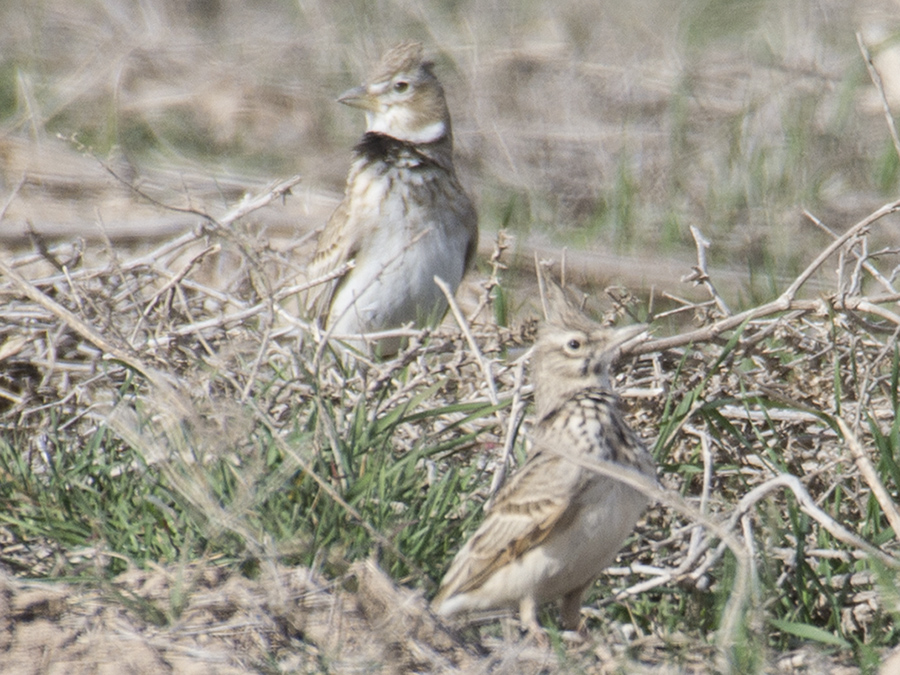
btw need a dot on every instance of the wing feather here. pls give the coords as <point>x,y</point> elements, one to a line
<point>337,244</point>
<point>539,498</point>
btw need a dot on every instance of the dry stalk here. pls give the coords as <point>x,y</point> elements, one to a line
<point>706,453</point>
<point>501,244</point>
<point>261,355</point>
<point>698,545</point>
<point>12,196</point>
<point>879,85</point>
<point>700,273</point>
<point>516,410</point>
<point>870,475</point>
<point>704,539</point>
<point>483,363</point>
<point>809,506</point>
<point>173,281</point>
<point>86,331</point>
<point>785,302</point>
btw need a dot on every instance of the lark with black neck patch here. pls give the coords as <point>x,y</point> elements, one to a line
<point>404,218</point>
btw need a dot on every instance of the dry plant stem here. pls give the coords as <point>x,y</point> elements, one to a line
<point>134,188</point>
<point>178,292</point>
<point>863,396</point>
<point>516,409</point>
<point>219,321</point>
<point>325,278</point>
<point>854,231</point>
<point>685,569</point>
<point>406,331</point>
<point>333,439</point>
<point>747,531</point>
<point>250,378</point>
<point>157,378</point>
<point>12,196</point>
<point>539,267</point>
<point>707,482</point>
<point>473,345</point>
<point>267,196</point>
<point>879,85</point>
<point>864,305</point>
<point>174,281</point>
<point>151,259</point>
<point>856,279</point>
<point>10,396</point>
<point>246,205</point>
<point>808,504</point>
<point>500,245</point>
<point>785,302</point>
<point>398,363</point>
<point>870,475</point>
<point>323,342</point>
<point>725,531</point>
<point>245,312</point>
<point>685,305</point>
<point>73,290</point>
<point>83,329</point>
<point>700,274</point>
<point>698,544</point>
<point>107,242</point>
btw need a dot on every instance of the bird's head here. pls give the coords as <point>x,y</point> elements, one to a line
<point>402,98</point>
<point>573,352</point>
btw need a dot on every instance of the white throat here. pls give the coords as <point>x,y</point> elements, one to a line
<point>397,124</point>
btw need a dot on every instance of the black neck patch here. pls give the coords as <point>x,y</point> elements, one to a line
<point>381,147</point>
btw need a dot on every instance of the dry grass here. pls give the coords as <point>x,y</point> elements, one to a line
<point>202,478</point>
<point>777,433</point>
<point>612,133</point>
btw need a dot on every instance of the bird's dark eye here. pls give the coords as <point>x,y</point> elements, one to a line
<point>401,86</point>
<point>574,344</point>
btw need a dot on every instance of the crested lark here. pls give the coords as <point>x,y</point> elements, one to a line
<point>404,218</point>
<point>556,525</point>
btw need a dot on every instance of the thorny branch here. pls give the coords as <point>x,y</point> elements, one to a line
<point>710,534</point>
<point>786,302</point>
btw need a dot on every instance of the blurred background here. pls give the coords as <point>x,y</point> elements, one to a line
<point>608,128</point>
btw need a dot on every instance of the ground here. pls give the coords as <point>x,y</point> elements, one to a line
<point>191,482</point>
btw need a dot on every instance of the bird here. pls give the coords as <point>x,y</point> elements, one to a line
<point>405,218</point>
<point>556,524</point>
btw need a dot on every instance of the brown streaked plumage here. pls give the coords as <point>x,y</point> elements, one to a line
<point>556,525</point>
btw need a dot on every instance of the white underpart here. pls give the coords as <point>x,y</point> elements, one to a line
<point>566,560</point>
<point>393,281</point>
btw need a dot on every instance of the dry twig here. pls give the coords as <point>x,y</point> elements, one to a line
<point>879,85</point>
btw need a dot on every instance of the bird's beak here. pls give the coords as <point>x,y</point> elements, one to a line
<point>359,97</point>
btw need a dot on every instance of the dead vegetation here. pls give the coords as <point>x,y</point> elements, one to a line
<point>775,429</point>
<point>191,481</point>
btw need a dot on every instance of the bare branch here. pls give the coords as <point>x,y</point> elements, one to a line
<point>870,475</point>
<point>879,85</point>
<point>700,273</point>
<point>473,345</point>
